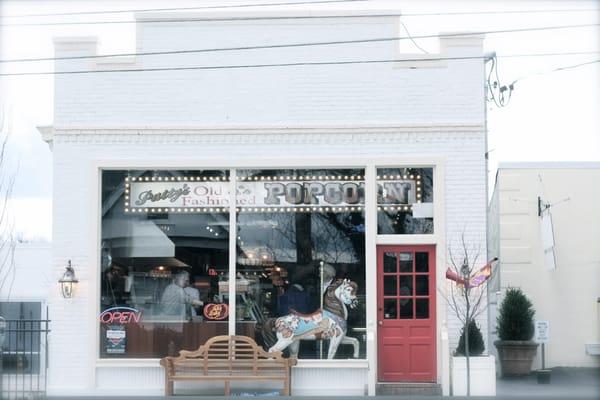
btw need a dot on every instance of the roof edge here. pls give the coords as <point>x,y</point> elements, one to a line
<point>549,165</point>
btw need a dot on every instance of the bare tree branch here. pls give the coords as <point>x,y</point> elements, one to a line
<point>7,237</point>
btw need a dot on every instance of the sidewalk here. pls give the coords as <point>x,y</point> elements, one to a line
<point>565,383</point>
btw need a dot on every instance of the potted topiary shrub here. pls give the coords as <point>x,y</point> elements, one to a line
<point>516,350</point>
<point>476,345</point>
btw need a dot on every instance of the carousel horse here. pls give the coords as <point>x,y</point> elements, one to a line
<point>328,323</point>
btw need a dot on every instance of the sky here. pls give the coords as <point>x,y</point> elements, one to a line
<point>552,116</point>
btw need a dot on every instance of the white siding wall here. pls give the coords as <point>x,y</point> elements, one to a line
<point>566,296</point>
<point>158,118</point>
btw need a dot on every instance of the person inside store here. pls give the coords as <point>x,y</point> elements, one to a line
<point>194,294</point>
<point>296,299</point>
<point>176,301</point>
<point>113,281</point>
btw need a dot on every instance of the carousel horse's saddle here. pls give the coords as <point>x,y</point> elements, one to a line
<point>306,315</point>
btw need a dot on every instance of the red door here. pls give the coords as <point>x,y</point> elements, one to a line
<point>406,313</point>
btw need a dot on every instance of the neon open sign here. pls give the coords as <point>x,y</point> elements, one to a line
<point>120,315</point>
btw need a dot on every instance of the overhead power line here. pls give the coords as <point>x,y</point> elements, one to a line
<point>291,45</point>
<point>200,19</point>
<point>555,70</point>
<point>427,14</point>
<point>412,14</point>
<point>99,12</point>
<point>243,66</point>
<point>206,19</point>
<point>501,94</point>
<point>569,53</point>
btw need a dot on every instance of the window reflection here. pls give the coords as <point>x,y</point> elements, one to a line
<point>294,253</point>
<point>405,200</point>
<point>162,261</point>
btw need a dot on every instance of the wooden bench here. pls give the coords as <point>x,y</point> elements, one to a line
<point>228,358</point>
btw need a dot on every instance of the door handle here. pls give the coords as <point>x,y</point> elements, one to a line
<point>380,322</point>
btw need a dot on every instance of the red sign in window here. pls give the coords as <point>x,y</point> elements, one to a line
<point>215,311</point>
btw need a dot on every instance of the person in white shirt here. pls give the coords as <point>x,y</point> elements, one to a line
<point>175,301</point>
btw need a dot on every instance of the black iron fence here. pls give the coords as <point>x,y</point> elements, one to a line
<point>23,358</point>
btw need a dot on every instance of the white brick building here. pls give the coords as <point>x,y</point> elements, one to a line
<point>403,116</point>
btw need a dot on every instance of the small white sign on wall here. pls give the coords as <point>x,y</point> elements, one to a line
<point>548,241</point>
<point>422,210</point>
<point>542,331</point>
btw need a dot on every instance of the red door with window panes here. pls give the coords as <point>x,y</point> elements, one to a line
<point>406,314</point>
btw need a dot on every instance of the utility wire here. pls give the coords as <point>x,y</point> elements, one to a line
<point>179,8</point>
<point>289,45</point>
<point>555,70</point>
<point>411,38</point>
<point>498,92</point>
<point>501,94</point>
<point>293,64</point>
<point>415,14</point>
<point>193,19</point>
<point>570,53</point>
<point>424,14</point>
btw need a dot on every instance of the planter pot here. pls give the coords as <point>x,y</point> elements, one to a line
<point>516,356</point>
<point>483,376</point>
<point>543,376</point>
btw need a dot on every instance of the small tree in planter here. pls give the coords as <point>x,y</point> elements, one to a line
<point>466,300</point>
<point>475,345</point>
<point>516,350</point>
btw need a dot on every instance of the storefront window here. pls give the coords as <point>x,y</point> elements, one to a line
<point>164,254</point>
<point>404,201</point>
<point>301,261</point>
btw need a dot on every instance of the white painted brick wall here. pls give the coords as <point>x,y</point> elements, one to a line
<point>450,92</point>
<point>446,100</point>
<point>74,213</point>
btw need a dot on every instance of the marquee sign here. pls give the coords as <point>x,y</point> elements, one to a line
<point>265,194</point>
<point>399,193</point>
<point>214,196</point>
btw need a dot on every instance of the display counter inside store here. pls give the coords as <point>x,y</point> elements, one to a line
<point>166,337</point>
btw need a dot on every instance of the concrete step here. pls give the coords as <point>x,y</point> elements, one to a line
<point>409,388</point>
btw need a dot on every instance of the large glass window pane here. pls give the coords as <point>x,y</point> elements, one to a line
<point>406,262</point>
<point>406,308</point>
<point>405,200</point>
<point>422,283</point>
<point>406,285</point>
<point>390,309</point>
<point>422,306</point>
<point>390,262</point>
<point>390,285</point>
<point>164,261</point>
<point>300,235</point>
<point>422,261</point>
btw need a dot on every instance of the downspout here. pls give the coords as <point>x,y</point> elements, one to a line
<point>487,58</point>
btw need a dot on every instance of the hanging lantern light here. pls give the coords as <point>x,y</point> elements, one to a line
<point>68,281</point>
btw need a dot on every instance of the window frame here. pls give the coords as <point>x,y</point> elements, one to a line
<point>372,239</point>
